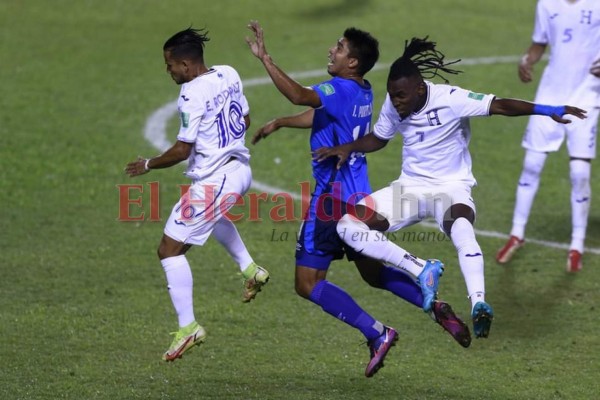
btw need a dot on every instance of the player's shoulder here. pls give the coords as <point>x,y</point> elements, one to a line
<point>225,70</point>
<point>452,94</point>
<point>545,3</point>
<point>344,87</point>
<point>548,5</point>
<point>330,88</point>
<point>441,89</point>
<point>338,82</point>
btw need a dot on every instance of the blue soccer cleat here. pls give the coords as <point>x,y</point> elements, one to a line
<point>482,319</point>
<point>379,348</point>
<point>428,280</point>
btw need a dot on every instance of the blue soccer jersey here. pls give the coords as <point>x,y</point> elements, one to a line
<point>344,116</point>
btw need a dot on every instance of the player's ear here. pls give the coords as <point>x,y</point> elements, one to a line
<point>353,63</point>
<point>185,64</point>
<point>422,88</point>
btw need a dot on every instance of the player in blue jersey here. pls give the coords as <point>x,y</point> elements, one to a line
<point>340,112</point>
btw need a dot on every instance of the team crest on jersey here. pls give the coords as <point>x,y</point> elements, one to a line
<point>327,89</point>
<point>185,119</point>
<point>476,96</point>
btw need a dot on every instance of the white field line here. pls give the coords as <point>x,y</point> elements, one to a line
<point>155,132</point>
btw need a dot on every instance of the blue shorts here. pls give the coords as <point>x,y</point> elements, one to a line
<point>318,243</point>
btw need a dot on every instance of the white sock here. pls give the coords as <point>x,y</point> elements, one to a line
<point>376,245</point>
<point>180,284</point>
<point>526,190</point>
<point>470,258</point>
<point>227,234</point>
<point>581,195</point>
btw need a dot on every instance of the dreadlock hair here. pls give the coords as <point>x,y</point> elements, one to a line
<point>421,58</point>
<point>363,47</point>
<point>187,44</point>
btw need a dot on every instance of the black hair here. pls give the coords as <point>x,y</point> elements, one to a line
<point>187,44</point>
<point>421,58</point>
<point>363,47</point>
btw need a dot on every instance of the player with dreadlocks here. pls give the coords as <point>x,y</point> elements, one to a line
<point>436,178</point>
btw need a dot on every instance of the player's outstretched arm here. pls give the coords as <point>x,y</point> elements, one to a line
<point>291,89</point>
<point>516,107</point>
<point>366,144</point>
<point>180,151</point>
<point>301,120</point>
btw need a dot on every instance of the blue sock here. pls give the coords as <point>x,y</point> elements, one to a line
<point>401,285</point>
<point>334,301</point>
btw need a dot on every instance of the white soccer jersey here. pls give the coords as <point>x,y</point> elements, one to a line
<point>436,138</point>
<point>572,30</point>
<point>587,94</point>
<point>212,109</point>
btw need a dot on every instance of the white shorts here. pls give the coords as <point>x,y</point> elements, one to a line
<point>544,135</point>
<point>194,216</point>
<point>404,205</point>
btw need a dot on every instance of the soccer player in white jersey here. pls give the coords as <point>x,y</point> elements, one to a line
<point>436,176</point>
<point>571,28</point>
<point>214,118</point>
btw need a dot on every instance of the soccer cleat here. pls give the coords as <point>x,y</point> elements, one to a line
<point>428,280</point>
<point>255,278</point>
<point>443,315</point>
<point>186,338</point>
<point>482,319</point>
<point>506,253</point>
<point>574,261</point>
<point>379,348</point>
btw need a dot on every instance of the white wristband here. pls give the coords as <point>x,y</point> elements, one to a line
<point>146,166</point>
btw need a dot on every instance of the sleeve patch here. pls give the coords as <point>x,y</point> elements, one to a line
<point>327,89</point>
<point>476,96</point>
<point>185,119</point>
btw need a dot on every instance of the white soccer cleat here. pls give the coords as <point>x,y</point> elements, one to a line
<point>186,338</point>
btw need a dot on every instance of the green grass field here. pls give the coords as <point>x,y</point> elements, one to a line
<point>84,310</point>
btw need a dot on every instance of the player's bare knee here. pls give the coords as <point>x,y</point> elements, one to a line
<point>163,252</point>
<point>306,279</point>
<point>304,288</point>
<point>170,248</point>
<point>373,278</point>
<point>454,213</point>
<point>370,271</point>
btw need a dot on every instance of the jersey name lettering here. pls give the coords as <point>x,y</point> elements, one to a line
<point>363,111</point>
<point>224,95</point>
